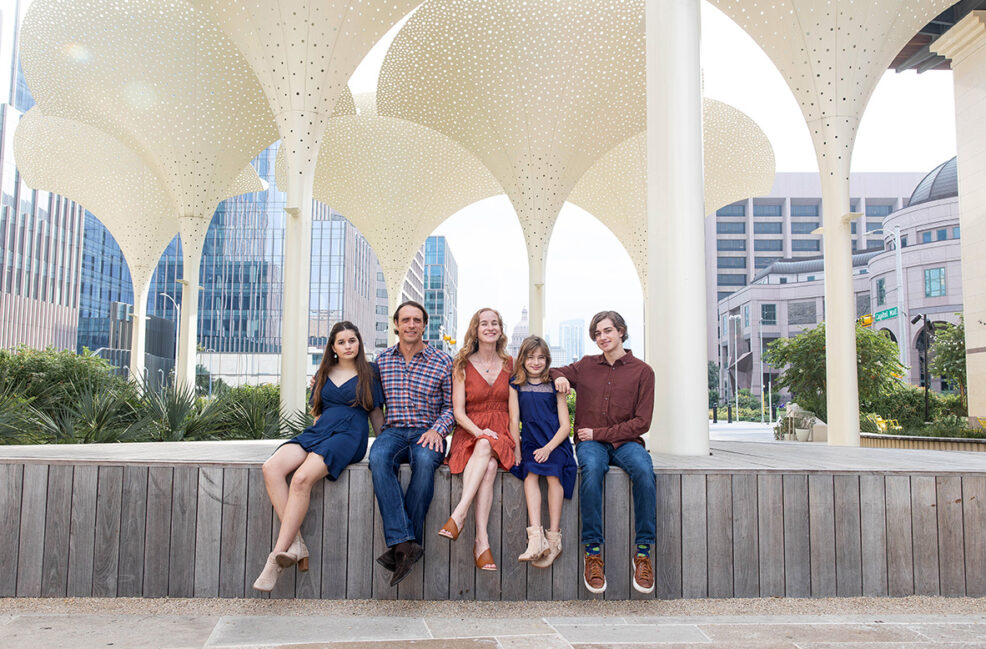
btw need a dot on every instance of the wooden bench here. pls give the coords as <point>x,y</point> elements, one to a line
<point>752,520</point>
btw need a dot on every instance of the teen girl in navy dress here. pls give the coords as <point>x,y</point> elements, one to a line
<point>346,393</point>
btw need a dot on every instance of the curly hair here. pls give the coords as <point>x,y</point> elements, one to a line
<point>470,344</point>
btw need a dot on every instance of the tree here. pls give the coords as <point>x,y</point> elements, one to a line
<point>948,354</point>
<point>803,360</point>
<point>713,384</point>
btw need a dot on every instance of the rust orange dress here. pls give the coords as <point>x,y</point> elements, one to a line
<point>486,406</point>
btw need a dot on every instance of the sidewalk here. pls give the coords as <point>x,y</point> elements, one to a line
<point>861,623</point>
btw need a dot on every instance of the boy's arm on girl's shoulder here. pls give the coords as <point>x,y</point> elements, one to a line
<point>569,372</point>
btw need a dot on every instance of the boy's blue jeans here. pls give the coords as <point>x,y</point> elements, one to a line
<point>594,460</point>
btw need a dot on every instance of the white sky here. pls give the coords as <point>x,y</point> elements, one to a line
<point>909,125</point>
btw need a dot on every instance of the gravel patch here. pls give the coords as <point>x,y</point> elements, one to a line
<point>855,606</point>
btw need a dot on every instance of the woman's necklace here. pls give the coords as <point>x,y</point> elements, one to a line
<point>489,366</point>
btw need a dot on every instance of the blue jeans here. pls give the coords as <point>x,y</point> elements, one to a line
<point>594,461</point>
<point>403,514</point>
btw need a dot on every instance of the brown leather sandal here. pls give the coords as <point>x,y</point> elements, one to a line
<point>485,561</point>
<point>449,530</point>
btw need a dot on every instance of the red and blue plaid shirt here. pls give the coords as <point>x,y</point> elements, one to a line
<point>419,393</point>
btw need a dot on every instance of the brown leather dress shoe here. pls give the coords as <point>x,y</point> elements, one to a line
<point>643,575</point>
<point>595,576</point>
<point>405,561</point>
<point>387,560</point>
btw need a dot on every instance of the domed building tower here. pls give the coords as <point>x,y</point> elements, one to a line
<point>929,266</point>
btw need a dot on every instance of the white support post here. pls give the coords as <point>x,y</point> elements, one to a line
<point>965,45</point>
<point>138,339</point>
<point>842,393</point>
<point>536,266</point>
<point>676,314</point>
<point>188,327</point>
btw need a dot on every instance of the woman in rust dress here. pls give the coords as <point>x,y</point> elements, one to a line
<point>481,441</point>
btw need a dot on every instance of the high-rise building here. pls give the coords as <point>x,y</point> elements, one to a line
<point>572,334</point>
<point>40,233</point>
<point>441,285</point>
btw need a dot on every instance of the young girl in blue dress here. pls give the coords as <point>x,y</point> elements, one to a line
<point>346,393</point>
<point>540,415</point>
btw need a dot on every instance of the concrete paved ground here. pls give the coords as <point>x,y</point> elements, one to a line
<point>858,623</point>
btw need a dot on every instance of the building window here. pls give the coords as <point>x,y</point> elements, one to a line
<point>722,295</point>
<point>802,245</point>
<point>729,279</point>
<point>881,292</point>
<point>803,227</point>
<point>766,210</point>
<point>763,262</point>
<point>380,277</point>
<point>746,315</point>
<point>903,241</point>
<point>934,282</point>
<point>852,228</point>
<point>878,210</point>
<point>381,309</point>
<point>811,278</point>
<point>926,237</point>
<point>730,227</point>
<point>783,280</point>
<point>738,209</point>
<point>382,326</point>
<point>382,292</point>
<point>804,210</point>
<point>873,225</point>
<point>731,262</point>
<point>768,244</point>
<point>768,314</point>
<point>380,342</point>
<point>955,232</point>
<point>942,234</point>
<point>768,227</point>
<point>801,313</point>
<point>731,244</point>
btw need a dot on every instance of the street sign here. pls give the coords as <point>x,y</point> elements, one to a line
<point>886,314</point>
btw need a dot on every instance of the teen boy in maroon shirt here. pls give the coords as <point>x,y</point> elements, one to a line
<point>614,407</point>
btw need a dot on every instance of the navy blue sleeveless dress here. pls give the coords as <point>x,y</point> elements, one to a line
<point>539,423</point>
<point>341,432</point>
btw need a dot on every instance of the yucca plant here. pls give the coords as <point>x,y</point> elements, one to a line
<point>18,421</point>
<point>251,416</point>
<point>176,414</point>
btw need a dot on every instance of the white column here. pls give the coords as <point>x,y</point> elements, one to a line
<point>965,45</point>
<point>294,319</point>
<point>536,269</point>
<point>833,144</point>
<point>188,327</point>
<point>676,315</point>
<point>138,339</point>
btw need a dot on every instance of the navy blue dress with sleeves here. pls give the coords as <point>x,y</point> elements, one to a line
<point>341,432</point>
<point>539,423</point>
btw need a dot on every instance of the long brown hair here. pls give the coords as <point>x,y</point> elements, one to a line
<point>530,345</point>
<point>470,344</point>
<point>364,371</point>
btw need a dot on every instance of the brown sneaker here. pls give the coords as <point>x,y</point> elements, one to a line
<point>595,577</point>
<point>643,575</point>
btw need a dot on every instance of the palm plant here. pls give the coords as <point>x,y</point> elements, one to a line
<point>250,415</point>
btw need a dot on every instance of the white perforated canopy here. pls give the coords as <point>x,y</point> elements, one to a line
<point>538,91</point>
<point>739,163</point>
<point>395,181</point>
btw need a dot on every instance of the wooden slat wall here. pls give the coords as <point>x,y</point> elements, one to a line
<point>205,531</point>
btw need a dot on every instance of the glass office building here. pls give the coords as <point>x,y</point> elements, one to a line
<point>441,279</point>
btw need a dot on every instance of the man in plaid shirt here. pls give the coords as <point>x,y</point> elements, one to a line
<point>417,384</point>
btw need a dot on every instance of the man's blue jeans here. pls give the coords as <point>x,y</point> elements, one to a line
<point>594,461</point>
<point>403,514</point>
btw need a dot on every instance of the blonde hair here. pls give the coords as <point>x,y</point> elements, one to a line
<point>530,345</point>
<point>470,344</point>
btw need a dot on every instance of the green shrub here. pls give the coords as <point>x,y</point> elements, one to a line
<point>905,404</point>
<point>251,412</point>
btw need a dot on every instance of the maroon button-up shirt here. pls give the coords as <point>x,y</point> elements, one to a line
<point>616,401</point>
